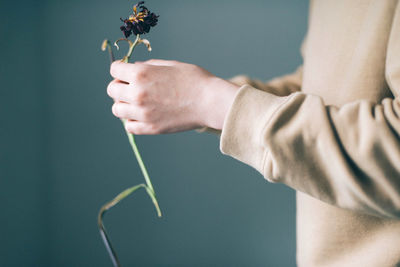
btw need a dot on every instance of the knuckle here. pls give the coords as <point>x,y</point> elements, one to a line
<point>154,129</point>
<point>135,128</point>
<point>142,74</point>
<point>114,69</point>
<point>110,89</point>
<point>147,114</point>
<point>192,67</point>
<point>141,97</point>
<point>128,94</point>
<point>129,128</point>
<point>114,109</point>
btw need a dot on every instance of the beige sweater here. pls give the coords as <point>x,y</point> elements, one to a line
<point>331,131</point>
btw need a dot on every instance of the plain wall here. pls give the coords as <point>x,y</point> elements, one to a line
<point>63,154</point>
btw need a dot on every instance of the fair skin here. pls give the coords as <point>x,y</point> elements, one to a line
<point>164,96</point>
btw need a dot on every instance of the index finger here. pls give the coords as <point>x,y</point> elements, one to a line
<point>123,71</point>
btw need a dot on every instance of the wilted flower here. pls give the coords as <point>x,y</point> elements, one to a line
<point>139,22</point>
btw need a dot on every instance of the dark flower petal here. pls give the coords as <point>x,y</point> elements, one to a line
<point>126,29</point>
<point>146,27</point>
<point>127,33</point>
<point>128,25</point>
<point>135,31</point>
<point>140,29</point>
<point>152,19</point>
<point>139,23</point>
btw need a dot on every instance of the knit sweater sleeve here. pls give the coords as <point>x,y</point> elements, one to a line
<point>348,156</point>
<point>281,86</point>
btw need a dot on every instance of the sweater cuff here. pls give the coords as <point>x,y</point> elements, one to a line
<point>242,135</point>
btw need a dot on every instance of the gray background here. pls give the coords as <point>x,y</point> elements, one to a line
<point>63,154</point>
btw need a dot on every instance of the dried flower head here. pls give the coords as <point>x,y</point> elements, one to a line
<point>139,22</point>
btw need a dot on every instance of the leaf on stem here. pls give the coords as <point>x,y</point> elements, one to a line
<point>122,39</point>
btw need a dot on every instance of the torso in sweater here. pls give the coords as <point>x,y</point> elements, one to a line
<point>352,35</point>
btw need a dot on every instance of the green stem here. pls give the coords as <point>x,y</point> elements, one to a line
<point>131,137</point>
<point>148,186</point>
<point>103,232</point>
<point>110,52</point>
<point>135,149</point>
<point>131,48</point>
<point>107,46</point>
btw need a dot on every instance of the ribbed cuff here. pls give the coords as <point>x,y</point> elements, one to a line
<point>242,135</point>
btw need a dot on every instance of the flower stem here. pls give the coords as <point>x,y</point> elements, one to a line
<point>148,186</point>
<point>107,46</point>
<point>131,48</point>
<point>103,232</point>
<point>131,137</point>
<point>135,149</point>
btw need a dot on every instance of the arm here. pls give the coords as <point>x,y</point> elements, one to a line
<point>280,86</point>
<point>348,156</point>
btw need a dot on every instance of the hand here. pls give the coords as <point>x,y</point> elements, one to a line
<point>163,96</point>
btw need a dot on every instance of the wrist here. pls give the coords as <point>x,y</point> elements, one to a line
<point>218,97</point>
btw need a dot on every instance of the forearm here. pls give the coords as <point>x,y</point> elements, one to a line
<point>218,98</point>
<point>280,86</point>
<point>346,156</point>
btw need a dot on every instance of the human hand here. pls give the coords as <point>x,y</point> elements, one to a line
<point>163,96</point>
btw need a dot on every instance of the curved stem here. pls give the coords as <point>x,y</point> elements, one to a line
<point>106,45</point>
<point>148,186</point>
<point>112,203</point>
<point>131,48</point>
<point>103,232</point>
<point>110,52</point>
<point>135,149</point>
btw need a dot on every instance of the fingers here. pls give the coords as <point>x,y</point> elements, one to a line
<point>161,62</point>
<point>128,111</point>
<point>124,71</point>
<point>140,128</point>
<point>121,91</point>
<point>131,72</point>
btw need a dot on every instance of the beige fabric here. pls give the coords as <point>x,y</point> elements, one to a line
<point>280,86</point>
<point>337,140</point>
